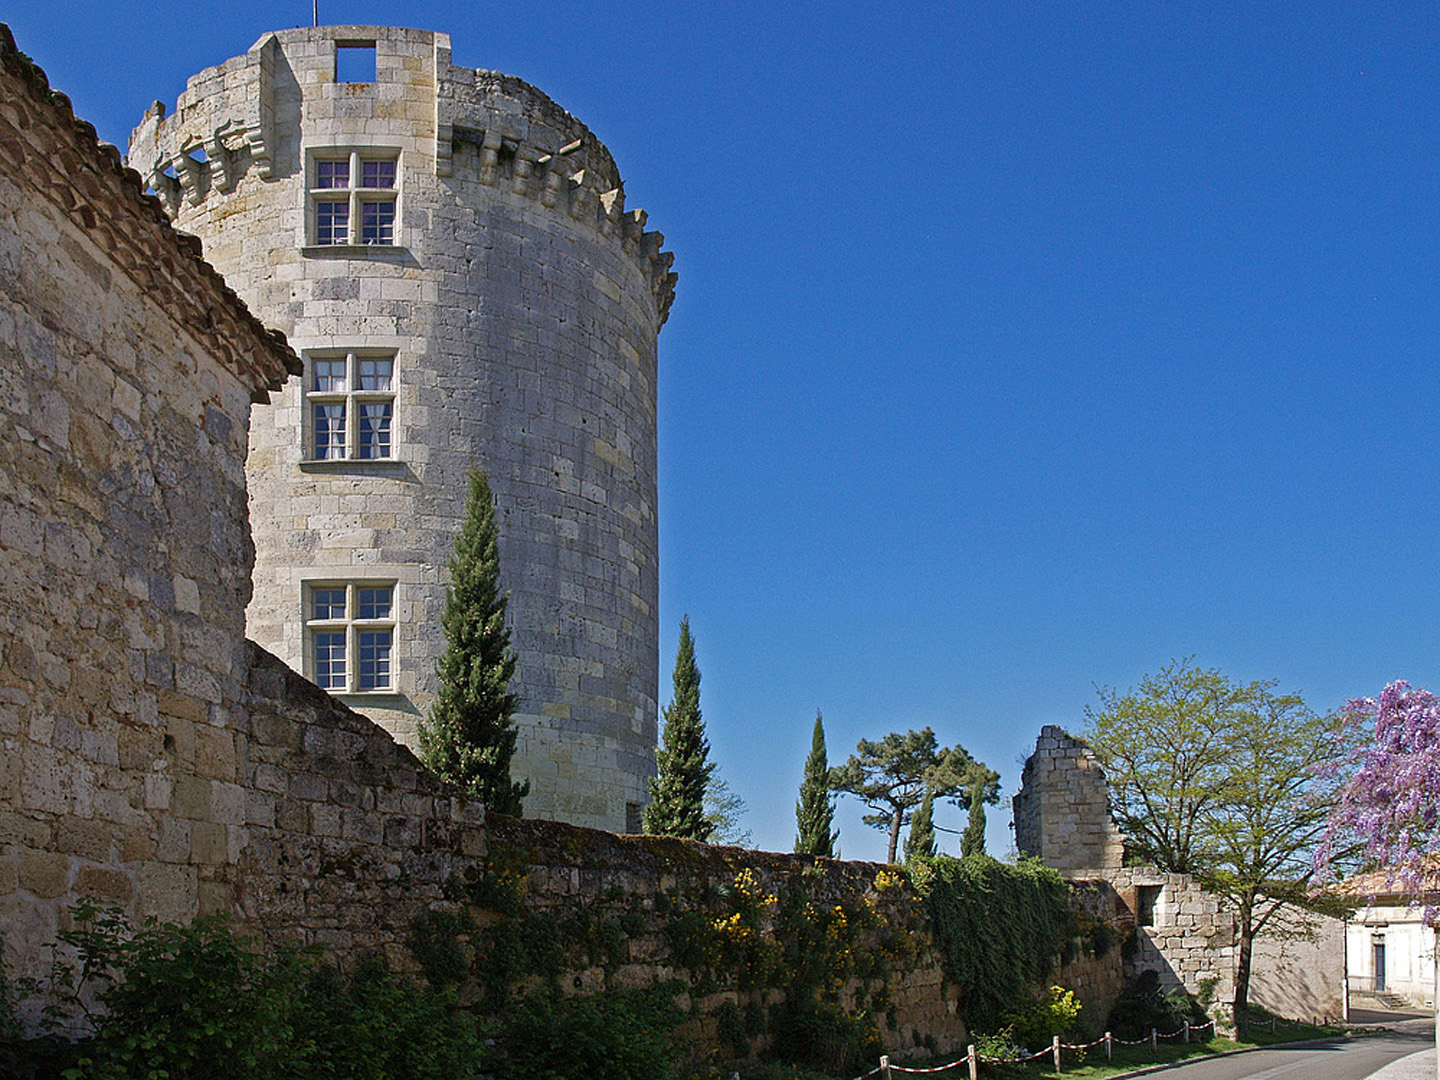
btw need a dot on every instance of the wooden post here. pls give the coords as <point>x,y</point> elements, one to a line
<point>973,1061</point>
<point>885,1067</point>
<point>1055,1049</point>
<point>1187,1031</point>
<point>1153,1043</point>
<point>1108,1048</point>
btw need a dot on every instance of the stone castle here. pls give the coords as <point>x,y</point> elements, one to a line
<point>153,759</point>
<point>449,253</point>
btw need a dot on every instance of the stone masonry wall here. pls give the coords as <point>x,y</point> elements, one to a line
<point>347,836</point>
<point>126,375</point>
<point>1062,811</point>
<point>1182,933</point>
<point>714,921</point>
<point>1189,940</point>
<point>521,303</point>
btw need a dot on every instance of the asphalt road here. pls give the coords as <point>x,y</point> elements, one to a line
<point>1343,1059</point>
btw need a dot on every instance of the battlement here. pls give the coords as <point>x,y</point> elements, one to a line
<point>461,124</point>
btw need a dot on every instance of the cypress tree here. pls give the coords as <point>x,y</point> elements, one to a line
<point>677,794</point>
<point>469,739</point>
<point>920,844</point>
<point>815,813</point>
<point>972,840</point>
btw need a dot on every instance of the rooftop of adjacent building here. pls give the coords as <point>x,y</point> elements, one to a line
<point>136,230</point>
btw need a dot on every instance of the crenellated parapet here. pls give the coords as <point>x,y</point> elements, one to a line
<point>229,122</point>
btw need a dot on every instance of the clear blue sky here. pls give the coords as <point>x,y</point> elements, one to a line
<point>1017,348</point>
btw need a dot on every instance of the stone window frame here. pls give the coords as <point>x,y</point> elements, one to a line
<point>1149,904</point>
<point>339,198</point>
<point>352,398</point>
<point>356,627</point>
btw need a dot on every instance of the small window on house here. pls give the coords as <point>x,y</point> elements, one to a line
<point>353,197</point>
<point>351,630</point>
<point>355,62</point>
<point>1147,900</point>
<point>634,818</point>
<point>350,406</point>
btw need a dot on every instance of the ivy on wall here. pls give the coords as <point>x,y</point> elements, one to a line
<point>1000,928</point>
<point>789,959</point>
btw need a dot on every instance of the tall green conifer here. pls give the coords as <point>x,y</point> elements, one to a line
<point>972,840</point>
<point>920,844</point>
<point>815,812</point>
<point>469,739</point>
<point>677,794</point>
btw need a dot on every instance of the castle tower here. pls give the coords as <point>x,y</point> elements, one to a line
<point>450,253</point>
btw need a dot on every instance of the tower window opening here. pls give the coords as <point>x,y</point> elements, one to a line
<point>351,627</point>
<point>355,62</point>
<point>350,399</point>
<point>343,211</point>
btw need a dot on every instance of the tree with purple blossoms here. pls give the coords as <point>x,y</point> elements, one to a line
<point>1388,814</point>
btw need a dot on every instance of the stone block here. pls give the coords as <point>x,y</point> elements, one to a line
<point>45,874</point>
<point>208,843</point>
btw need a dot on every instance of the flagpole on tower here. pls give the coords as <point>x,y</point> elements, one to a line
<point>315,10</point>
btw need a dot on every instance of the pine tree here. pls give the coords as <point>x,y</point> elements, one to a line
<point>469,739</point>
<point>972,840</point>
<point>677,794</point>
<point>815,813</point>
<point>920,844</point>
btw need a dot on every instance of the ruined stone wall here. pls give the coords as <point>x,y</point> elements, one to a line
<point>126,374</point>
<point>1182,933</point>
<point>1062,811</point>
<point>521,304</point>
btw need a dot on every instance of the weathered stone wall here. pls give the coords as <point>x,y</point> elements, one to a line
<point>1188,940</point>
<point>1062,811</point>
<point>126,375</point>
<point>522,303</point>
<point>726,925</point>
<point>1182,933</point>
<point>347,837</point>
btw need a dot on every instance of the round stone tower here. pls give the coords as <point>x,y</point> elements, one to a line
<point>450,253</point>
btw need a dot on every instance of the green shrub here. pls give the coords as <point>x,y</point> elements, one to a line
<point>821,1035</point>
<point>614,1035</point>
<point>1143,1005</point>
<point>197,1003</point>
<point>1057,1013</point>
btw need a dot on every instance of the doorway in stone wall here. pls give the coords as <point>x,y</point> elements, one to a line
<point>1379,947</point>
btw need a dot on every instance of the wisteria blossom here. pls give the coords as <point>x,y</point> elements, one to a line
<point>1389,806</point>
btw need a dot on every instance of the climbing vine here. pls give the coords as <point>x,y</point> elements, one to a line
<point>1000,928</point>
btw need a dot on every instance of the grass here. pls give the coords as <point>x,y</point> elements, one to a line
<point>1091,1065</point>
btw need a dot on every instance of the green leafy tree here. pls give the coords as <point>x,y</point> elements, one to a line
<point>1219,779</point>
<point>920,843</point>
<point>972,840</point>
<point>892,776</point>
<point>469,739</point>
<point>815,812</point>
<point>677,794</point>
<point>724,809</point>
